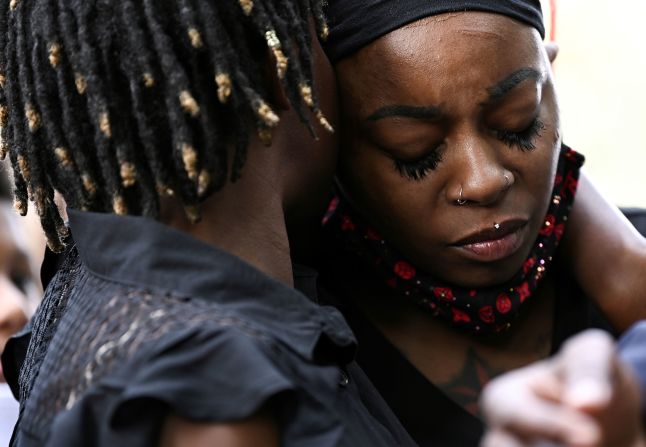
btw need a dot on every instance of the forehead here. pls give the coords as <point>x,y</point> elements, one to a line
<point>438,56</point>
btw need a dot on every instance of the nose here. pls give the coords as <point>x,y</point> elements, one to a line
<point>480,178</point>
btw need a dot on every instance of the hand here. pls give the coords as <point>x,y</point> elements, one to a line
<point>583,397</point>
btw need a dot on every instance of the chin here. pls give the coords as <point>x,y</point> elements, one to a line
<point>478,276</point>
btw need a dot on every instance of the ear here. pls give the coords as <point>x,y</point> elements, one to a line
<point>552,50</point>
<point>279,97</point>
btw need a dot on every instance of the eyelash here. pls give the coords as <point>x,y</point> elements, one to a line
<point>417,170</point>
<point>523,140</point>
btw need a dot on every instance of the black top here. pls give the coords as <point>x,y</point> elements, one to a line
<point>141,321</point>
<point>429,415</point>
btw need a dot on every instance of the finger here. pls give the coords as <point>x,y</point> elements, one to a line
<point>588,363</point>
<point>510,404</point>
<point>552,51</point>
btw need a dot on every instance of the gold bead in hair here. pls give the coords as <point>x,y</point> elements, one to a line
<point>119,205</point>
<point>3,80</point>
<point>325,32</point>
<point>54,54</point>
<point>324,122</point>
<point>203,182</point>
<point>276,48</point>
<point>4,149</point>
<point>165,190</point>
<point>20,206</point>
<point>195,37</point>
<point>54,245</point>
<point>188,103</point>
<point>81,83</point>
<point>13,4</point>
<point>23,166</point>
<point>88,184</point>
<point>63,156</point>
<point>189,157</point>
<point>267,115</point>
<point>104,124</point>
<point>33,117</point>
<point>223,80</point>
<point>149,80</point>
<point>128,174</point>
<point>247,6</point>
<point>306,94</point>
<point>63,231</point>
<point>272,39</point>
<point>265,135</point>
<point>4,116</point>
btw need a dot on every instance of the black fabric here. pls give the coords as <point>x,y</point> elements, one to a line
<point>13,357</point>
<point>426,412</point>
<point>141,320</point>
<point>356,23</point>
<point>52,263</point>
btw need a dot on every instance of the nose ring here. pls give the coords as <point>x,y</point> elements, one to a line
<point>460,201</point>
<point>507,181</point>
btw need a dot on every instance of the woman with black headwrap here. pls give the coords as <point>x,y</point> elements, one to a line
<point>455,193</point>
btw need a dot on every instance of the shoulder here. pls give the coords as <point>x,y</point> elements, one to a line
<point>145,355</point>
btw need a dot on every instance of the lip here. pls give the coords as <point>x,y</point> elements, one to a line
<point>490,244</point>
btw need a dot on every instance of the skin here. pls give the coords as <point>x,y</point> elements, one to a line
<point>423,66</point>
<point>616,285</point>
<point>248,219</point>
<point>584,397</point>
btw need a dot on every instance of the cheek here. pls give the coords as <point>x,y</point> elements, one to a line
<point>540,169</point>
<point>401,209</point>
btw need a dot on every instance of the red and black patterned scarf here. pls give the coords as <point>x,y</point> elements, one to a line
<point>479,311</point>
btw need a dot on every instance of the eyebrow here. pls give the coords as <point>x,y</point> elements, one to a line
<point>416,112</point>
<point>429,113</point>
<point>499,90</point>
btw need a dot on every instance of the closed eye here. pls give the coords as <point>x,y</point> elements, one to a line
<point>525,140</point>
<point>417,170</point>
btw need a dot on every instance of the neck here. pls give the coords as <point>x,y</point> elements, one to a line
<point>246,219</point>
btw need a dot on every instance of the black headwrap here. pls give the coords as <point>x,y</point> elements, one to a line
<point>356,23</point>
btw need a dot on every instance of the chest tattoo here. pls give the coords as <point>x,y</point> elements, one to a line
<point>465,387</point>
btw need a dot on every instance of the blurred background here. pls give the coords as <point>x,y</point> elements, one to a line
<point>600,74</point>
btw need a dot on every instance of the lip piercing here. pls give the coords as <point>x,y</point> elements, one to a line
<point>460,200</point>
<point>496,225</point>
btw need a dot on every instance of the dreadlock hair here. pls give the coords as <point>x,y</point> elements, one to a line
<point>5,192</point>
<point>116,103</point>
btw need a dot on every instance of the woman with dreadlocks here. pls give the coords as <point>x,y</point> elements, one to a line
<point>179,331</point>
<point>454,196</point>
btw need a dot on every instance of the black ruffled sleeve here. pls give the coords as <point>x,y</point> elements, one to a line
<point>214,375</point>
